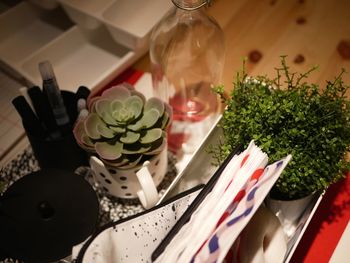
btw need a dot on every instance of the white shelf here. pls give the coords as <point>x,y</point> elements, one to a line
<point>80,58</point>
<point>107,37</point>
<point>24,32</point>
<point>129,21</point>
<point>86,13</point>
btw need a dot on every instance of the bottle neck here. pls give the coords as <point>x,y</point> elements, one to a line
<point>190,4</point>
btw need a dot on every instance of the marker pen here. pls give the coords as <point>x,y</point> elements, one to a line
<point>53,93</point>
<point>24,92</point>
<point>30,121</point>
<point>43,111</point>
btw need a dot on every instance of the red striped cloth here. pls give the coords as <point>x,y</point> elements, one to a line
<point>327,225</point>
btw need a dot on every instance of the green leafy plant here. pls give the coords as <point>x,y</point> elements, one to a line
<point>287,115</point>
<point>123,128</point>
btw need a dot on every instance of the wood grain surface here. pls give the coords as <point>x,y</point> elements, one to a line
<point>309,32</point>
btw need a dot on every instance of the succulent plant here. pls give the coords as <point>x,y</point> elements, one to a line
<point>123,128</point>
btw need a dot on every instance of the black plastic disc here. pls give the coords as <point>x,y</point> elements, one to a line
<point>44,214</point>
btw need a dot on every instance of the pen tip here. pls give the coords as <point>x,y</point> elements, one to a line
<point>46,70</point>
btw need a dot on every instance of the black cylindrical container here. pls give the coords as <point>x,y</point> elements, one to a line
<point>64,152</point>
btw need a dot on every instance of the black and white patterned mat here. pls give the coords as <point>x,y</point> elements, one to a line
<point>111,208</point>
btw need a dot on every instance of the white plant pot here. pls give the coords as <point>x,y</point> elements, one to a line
<point>289,211</point>
<point>138,182</point>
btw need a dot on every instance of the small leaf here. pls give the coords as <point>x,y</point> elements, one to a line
<point>117,129</point>
<point>102,105</point>
<point>90,125</point>
<point>82,138</point>
<point>134,104</point>
<point>151,136</point>
<point>165,120</point>
<point>148,120</point>
<point>103,108</point>
<point>117,162</point>
<point>79,131</point>
<point>135,148</point>
<point>155,103</point>
<point>116,105</point>
<point>87,142</point>
<point>105,131</point>
<point>91,104</point>
<point>157,147</point>
<point>132,163</point>
<point>169,110</point>
<point>109,151</point>
<point>107,117</point>
<point>118,92</point>
<point>130,137</point>
<point>122,116</point>
<point>138,94</point>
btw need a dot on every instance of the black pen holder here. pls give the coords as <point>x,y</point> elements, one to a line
<point>64,152</point>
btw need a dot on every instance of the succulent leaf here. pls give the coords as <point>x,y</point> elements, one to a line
<point>165,120</point>
<point>157,147</point>
<point>151,136</point>
<point>134,105</point>
<point>130,137</point>
<point>81,137</point>
<point>138,94</point>
<point>79,131</point>
<point>116,105</point>
<point>103,109</point>
<point>105,131</point>
<point>118,162</point>
<point>87,142</point>
<point>117,129</point>
<point>109,151</point>
<point>91,123</point>
<point>148,120</point>
<point>122,116</point>
<point>91,103</point>
<point>131,163</point>
<point>169,111</point>
<point>102,105</point>
<point>135,148</point>
<point>108,118</point>
<point>119,92</point>
<point>155,103</point>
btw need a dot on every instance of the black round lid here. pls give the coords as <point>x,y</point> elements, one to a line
<point>44,214</point>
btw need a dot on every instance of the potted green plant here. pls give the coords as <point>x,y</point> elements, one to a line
<point>287,115</point>
<point>126,135</point>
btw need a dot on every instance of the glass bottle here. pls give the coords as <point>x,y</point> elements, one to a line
<point>187,53</point>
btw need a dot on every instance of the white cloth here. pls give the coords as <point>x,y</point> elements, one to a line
<point>133,240</point>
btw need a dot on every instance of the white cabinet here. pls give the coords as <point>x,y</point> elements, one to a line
<point>105,38</point>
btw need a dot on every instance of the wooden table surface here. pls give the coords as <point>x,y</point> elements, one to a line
<point>309,32</point>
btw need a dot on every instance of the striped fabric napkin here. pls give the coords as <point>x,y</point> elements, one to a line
<point>226,210</point>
